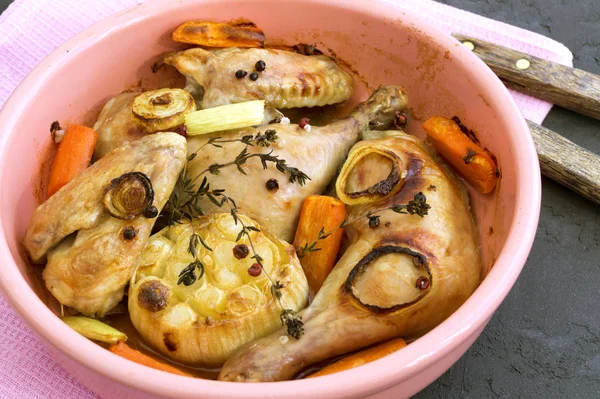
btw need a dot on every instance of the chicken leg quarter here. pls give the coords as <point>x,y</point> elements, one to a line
<point>401,278</point>
<point>318,153</point>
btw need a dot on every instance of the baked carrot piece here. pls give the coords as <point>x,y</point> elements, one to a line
<point>469,159</point>
<point>319,216</point>
<point>362,357</point>
<point>219,34</point>
<point>129,353</point>
<point>72,157</point>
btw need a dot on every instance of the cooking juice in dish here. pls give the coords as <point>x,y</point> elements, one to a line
<point>268,214</point>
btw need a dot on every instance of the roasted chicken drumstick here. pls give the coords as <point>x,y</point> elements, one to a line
<point>401,278</point>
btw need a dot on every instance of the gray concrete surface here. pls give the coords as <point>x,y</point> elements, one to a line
<point>544,341</point>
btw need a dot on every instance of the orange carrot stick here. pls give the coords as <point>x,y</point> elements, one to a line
<point>72,157</point>
<point>129,353</point>
<point>469,159</point>
<point>219,34</point>
<point>362,357</point>
<point>319,212</point>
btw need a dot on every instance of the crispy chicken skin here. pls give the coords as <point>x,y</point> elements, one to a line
<point>318,153</point>
<point>115,125</point>
<point>89,261</point>
<point>290,80</point>
<point>377,289</point>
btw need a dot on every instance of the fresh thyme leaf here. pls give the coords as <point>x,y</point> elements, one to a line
<point>240,235</point>
<point>418,205</point>
<point>215,201</point>
<point>193,244</point>
<point>276,290</point>
<point>271,135</point>
<point>188,275</point>
<point>239,167</point>
<point>247,139</point>
<point>197,208</point>
<point>204,244</point>
<point>293,323</point>
<point>214,169</point>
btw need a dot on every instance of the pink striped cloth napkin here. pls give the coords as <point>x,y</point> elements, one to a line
<point>30,29</point>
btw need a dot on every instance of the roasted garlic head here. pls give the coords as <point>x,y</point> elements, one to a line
<point>230,300</point>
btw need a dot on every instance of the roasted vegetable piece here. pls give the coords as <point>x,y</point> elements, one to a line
<point>401,278</point>
<point>128,353</point>
<point>91,254</point>
<point>318,153</point>
<point>228,302</point>
<point>219,34</point>
<point>225,117</point>
<point>362,357</point>
<point>128,196</point>
<point>162,109</point>
<point>72,157</point>
<point>469,159</point>
<point>289,80</point>
<point>95,329</point>
<point>320,216</point>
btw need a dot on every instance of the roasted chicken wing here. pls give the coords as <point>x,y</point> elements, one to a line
<point>90,241</point>
<point>267,195</point>
<point>115,125</point>
<point>288,80</point>
<point>399,277</point>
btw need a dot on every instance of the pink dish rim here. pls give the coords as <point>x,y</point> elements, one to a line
<point>367,379</point>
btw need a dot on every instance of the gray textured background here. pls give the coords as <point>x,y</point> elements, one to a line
<point>544,341</point>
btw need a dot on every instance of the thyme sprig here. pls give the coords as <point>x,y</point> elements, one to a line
<point>178,209</point>
<point>261,140</point>
<point>288,317</point>
<point>417,206</point>
<point>187,276</point>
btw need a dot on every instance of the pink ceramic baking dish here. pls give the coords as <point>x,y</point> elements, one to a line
<point>383,45</point>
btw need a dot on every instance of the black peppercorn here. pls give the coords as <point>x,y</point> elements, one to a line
<point>374,222</point>
<point>272,185</point>
<point>151,212</point>
<point>253,76</point>
<point>129,233</point>
<point>240,74</point>
<point>422,283</point>
<point>260,65</point>
<point>240,251</point>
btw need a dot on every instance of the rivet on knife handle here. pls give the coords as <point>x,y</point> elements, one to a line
<point>567,163</point>
<point>570,88</point>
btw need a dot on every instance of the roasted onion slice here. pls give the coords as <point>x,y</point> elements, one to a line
<point>162,109</point>
<point>223,308</point>
<point>385,176</point>
<point>128,196</point>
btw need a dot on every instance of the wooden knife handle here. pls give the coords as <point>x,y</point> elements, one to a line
<point>567,163</point>
<point>568,87</point>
